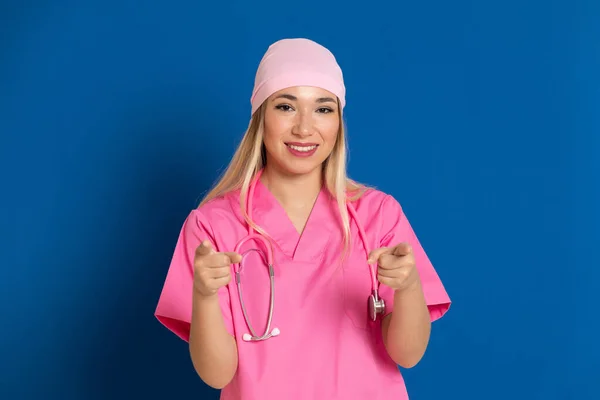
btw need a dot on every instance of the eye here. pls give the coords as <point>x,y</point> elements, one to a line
<point>325,110</point>
<point>284,107</point>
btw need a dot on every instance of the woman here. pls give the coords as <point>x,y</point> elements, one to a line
<point>326,334</point>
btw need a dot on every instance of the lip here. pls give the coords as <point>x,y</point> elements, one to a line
<point>300,144</point>
<point>294,146</point>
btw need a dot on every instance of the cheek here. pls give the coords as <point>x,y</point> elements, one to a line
<point>269,139</point>
<point>273,132</point>
<point>330,131</point>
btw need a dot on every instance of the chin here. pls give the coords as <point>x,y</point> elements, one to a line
<point>296,168</point>
<point>291,165</point>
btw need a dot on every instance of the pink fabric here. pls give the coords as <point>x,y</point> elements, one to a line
<point>327,348</point>
<point>297,62</point>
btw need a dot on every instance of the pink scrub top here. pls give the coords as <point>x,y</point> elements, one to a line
<point>327,348</point>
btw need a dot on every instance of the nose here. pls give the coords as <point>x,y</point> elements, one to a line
<point>303,126</point>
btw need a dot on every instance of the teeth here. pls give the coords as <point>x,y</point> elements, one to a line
<point>303,148</point>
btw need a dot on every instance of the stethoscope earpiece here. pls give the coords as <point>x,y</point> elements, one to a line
<point>249,338</point>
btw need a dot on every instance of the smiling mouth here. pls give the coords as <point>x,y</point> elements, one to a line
<point>303,148</point>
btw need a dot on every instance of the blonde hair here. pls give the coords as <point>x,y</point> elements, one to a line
<point>250,158</point>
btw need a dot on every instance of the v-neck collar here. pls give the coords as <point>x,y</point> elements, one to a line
<point>310,245</point>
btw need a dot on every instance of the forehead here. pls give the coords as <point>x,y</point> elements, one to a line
<point>304,92</point>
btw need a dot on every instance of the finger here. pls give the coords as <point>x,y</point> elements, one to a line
<point>205,248</point>
<point>389,261</point>
<point>386,280</point>
<point>402,272</point>
<point>402,249</point>
<point>217,260</point>
<point>222,281</point>
<point>375,254</point>
<point>388,273</point>
<point>234,257</point>
<point>220,272</point>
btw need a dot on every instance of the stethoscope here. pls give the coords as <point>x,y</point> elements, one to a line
<point>376,305</point>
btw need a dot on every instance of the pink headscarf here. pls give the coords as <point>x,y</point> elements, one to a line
<point>297,62</point>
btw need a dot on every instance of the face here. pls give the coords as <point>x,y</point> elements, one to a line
<point>300,129</point>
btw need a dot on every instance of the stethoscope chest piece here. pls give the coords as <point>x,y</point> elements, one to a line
<point>376,305</point>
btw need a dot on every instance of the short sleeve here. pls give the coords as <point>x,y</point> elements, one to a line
<point>174,308</point>
<point>397,229</point>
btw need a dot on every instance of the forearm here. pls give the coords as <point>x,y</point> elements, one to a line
<point>212,349</point>
<point>406,331</point>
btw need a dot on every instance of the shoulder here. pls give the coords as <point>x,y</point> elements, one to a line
<point>374,203</point>
<point>219,210</point>
<point>222,204</point>
<point>379,213</point>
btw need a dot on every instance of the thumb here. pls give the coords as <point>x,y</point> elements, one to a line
<point>205,248</point>
<point>402,249</point>
<point>375,254</point>
<point>234,257</point>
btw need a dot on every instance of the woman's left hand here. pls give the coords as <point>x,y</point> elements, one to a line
<point>396,266</point>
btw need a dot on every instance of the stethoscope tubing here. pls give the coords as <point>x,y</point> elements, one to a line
<point>266,333</point>
<point>268,259</point>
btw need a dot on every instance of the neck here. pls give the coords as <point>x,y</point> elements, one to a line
<point>293,191</point>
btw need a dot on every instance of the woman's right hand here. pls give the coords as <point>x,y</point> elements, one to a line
<point>212,270</point>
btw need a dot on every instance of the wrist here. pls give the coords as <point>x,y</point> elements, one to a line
<point>414,286</point>
<point>202,298</point>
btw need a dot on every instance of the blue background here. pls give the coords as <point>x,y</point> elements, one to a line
<point>480,117</point>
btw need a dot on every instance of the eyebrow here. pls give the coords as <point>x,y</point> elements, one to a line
<point>294,98</point>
